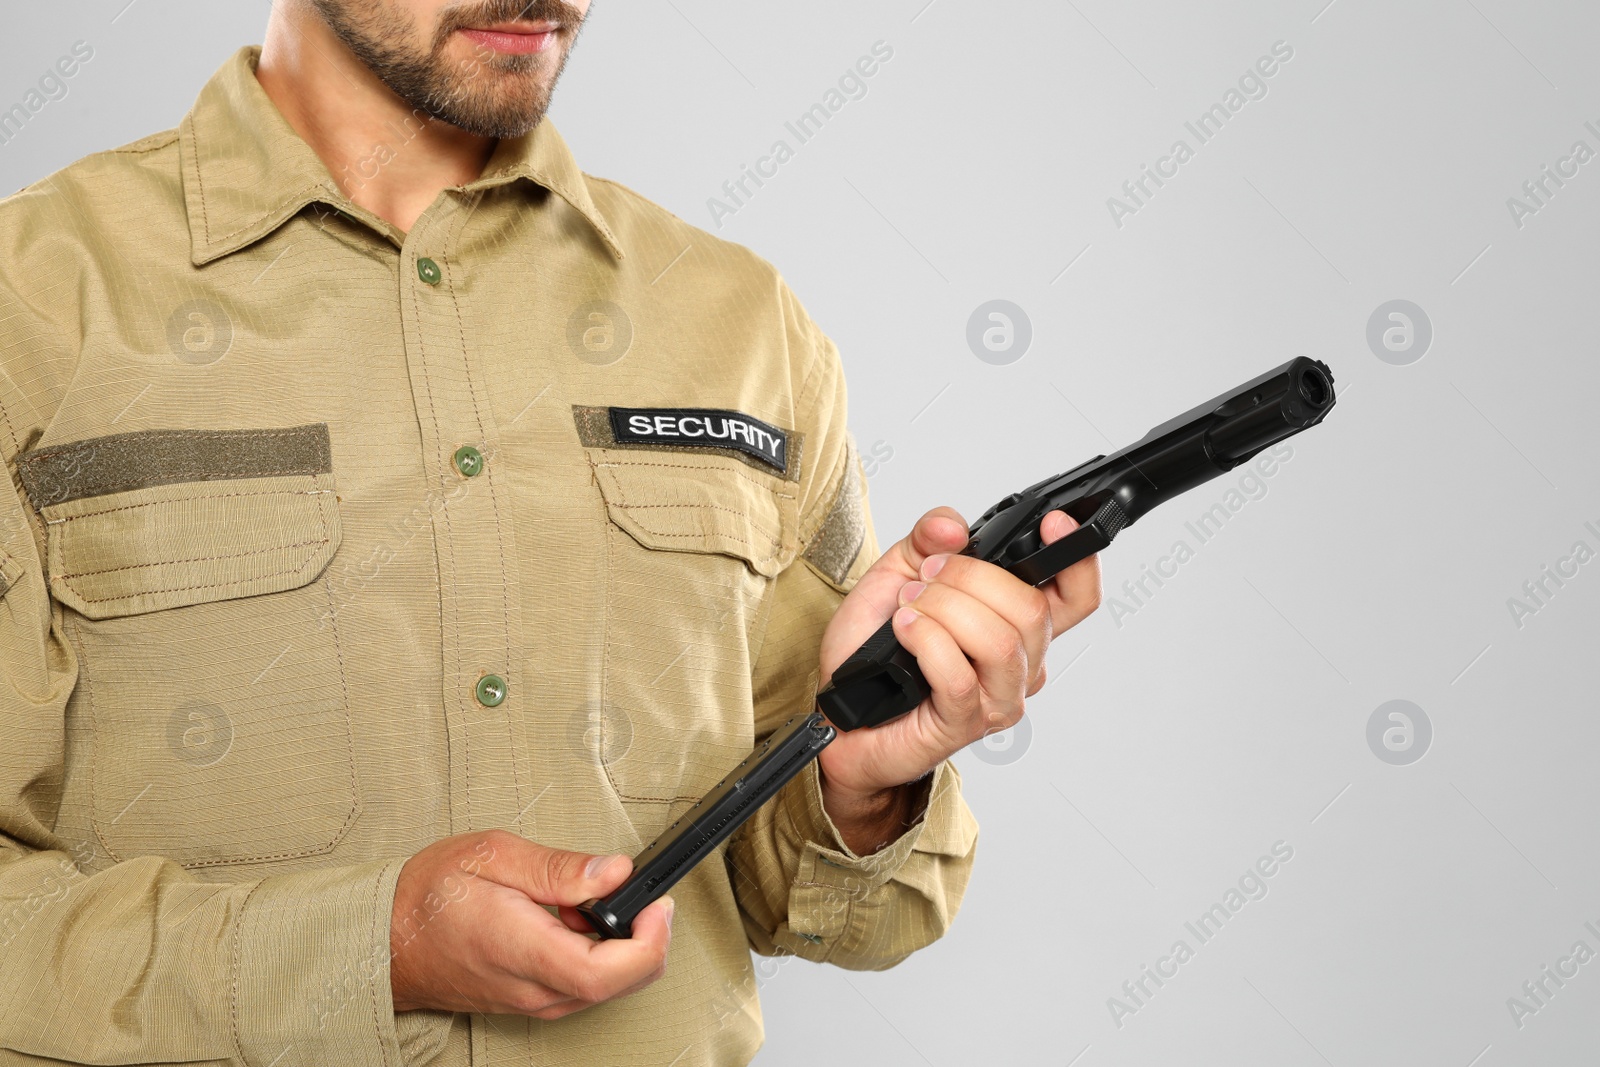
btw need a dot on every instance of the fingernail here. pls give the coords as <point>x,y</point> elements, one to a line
<point>599,865</point>
<point>910,591</point>
<point>905,616</point>
<point>672,909</point>
<point>933,565</point>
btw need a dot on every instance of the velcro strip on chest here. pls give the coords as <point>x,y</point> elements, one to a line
<point>141,459</point>
<point>746,438</point>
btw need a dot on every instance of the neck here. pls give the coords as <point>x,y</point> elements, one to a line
<point>387,158</point>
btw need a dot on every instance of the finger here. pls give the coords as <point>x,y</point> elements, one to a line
<point>939,531</point>
<point>1025,608</point>
<point>599,970</point>
<point>554,876</point>
<point>1039,679</point>
<point>994,646</point>
<point>567,1005</point>
<point>951,676</point>
<point>647,980</point>
<point>520,948</point>
<point>873,599</point>
<point>1055,526</point>
<point>574,920</point>
<point>561,1009</point>
<point>1075,593</point>
<point>543,1004</point>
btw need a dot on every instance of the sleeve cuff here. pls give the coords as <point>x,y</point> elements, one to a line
<point>830,876</point>
<point>311,968</point>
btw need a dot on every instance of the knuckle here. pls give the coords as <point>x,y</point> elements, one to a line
<point>559,867</point>
<point>1038,613</point>
<point>1006,650</point>
<point>996,722</point>
<point>496,838</point>
<point>479,849</point>
<point>963,687</point>
<point>552,1012</point>
<point>531,1001</point>
<point>1092,602</point>
<point>956,569</point>
<point>590,985</point>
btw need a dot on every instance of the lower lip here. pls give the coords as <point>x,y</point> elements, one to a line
<point>515,44</point>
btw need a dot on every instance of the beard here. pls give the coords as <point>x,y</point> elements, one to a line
<point>489,94</point>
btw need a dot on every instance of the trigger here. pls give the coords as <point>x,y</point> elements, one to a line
<point>1026,544</point>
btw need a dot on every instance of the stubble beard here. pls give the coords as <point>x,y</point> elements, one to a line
<point>489,94</point>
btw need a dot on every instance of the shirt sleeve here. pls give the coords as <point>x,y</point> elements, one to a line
<point>141,962</point>
<point>800,888</point>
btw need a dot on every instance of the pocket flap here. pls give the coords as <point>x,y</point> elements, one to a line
<point>160,519</point>
<point>699,504</point>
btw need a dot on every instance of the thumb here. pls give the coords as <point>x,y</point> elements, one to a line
<point>556,876</point>
<point>939,531</point>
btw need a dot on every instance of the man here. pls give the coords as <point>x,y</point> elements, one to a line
<point>406,528</point>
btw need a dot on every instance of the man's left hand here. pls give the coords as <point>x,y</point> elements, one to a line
<point>979,635</point>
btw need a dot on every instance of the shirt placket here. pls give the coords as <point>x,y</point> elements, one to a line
<point>470,514</point>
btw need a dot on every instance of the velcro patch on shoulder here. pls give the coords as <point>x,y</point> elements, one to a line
<point>751,440</point>
<point>837,542</point>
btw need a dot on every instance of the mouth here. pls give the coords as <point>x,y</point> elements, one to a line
<point>514,38</point>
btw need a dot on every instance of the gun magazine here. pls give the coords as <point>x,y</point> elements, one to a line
<point>712,820</point>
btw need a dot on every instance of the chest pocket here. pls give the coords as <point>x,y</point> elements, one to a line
<point>210,693</point>
<point>693,543</point>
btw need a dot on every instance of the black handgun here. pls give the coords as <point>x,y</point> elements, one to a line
<point>881,681</point>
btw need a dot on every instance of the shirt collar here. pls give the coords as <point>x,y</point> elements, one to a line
<point>246,172</point>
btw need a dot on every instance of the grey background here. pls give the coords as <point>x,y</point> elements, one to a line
<point>1175,744</point>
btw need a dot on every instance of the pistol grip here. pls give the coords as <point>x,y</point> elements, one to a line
<point>879,681</point>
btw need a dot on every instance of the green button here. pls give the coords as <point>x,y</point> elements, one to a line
<point>491,690</point>
<point>429,271</point>
<point>469,461</point>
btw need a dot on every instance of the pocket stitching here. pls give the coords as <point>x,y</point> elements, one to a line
<point>313,850</point>
<point>771,550</point>
<point>691,467</point>
<point>196,559</point>
<point>322,517</point>
<point>198,496</point>
<point>712,507</point>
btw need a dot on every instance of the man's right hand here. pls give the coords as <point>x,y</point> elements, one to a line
<point>469,933</point>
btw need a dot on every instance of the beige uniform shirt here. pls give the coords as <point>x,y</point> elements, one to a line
<point>324,541</point>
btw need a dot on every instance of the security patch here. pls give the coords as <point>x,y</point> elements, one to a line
<point>703,427</point>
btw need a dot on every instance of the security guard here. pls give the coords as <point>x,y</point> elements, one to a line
<point>404,528</point>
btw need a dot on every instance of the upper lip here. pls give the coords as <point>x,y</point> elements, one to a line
<point>518,27</point>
